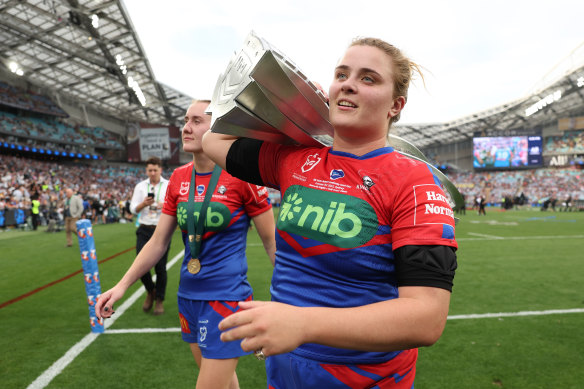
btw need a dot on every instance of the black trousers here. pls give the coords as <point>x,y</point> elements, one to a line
<point>143,235</point>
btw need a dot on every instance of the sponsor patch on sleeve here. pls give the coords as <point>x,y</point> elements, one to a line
<point>431,206</point>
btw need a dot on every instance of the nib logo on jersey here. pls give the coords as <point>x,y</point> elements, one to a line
<point>218,216</point>
<point>333,218</point>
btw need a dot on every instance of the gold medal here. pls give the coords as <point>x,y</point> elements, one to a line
<point>194,266</point>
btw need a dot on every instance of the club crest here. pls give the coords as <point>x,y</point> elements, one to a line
<point>311,162</point>
<point>184,188</point>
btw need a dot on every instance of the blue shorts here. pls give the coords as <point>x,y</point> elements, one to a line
<point>199,322</point>
<point>292,371</point>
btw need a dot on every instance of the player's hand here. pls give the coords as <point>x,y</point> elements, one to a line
<point>274,328</point>
<point>104,307</point>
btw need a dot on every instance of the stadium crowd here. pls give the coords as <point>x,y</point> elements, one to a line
<point>15,97</point>
<point>26,129</point>
<point>570,142</point>
<point>29,119</point>
<point>533,187</point>
<point>105,189</point>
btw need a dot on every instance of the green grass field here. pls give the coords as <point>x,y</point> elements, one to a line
<point>509,262</point>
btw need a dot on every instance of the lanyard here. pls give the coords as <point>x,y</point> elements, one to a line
<point>159,188</point>
<point>196,232</point>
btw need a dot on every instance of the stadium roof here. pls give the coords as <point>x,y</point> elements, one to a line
<point>88,51</point>
<point>559,94</point>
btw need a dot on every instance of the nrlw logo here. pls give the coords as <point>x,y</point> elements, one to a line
<point>218,216</point>
<point>332,218</point>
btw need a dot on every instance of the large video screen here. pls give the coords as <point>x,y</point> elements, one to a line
<point>507,152</point>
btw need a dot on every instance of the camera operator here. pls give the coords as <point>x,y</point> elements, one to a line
<point>147,202</point>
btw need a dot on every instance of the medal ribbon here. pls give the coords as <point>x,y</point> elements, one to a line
<point>196,232</point>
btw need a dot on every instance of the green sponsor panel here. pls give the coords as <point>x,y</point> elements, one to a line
<point>218,216</point>
<point>337,219</point>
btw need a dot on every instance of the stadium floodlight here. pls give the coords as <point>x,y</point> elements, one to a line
<point>95,21</point>
<point>120,62</point>
<point>580,82</point>
<point>136,88</point>
<point>15,68</point>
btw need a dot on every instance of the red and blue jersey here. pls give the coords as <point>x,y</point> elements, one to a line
<point>223,274</point>
<point>340,219</point>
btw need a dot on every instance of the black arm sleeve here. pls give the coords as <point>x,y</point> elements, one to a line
<point>243,158</point>
<point>426,266</point>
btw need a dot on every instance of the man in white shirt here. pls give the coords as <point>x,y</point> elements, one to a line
<point>147,202</point>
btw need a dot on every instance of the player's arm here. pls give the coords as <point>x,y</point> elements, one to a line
<point>216,146</point>
<point>239,156</point>
<point>416,318</point>
<point>146,259</point>
<point>266,228</point>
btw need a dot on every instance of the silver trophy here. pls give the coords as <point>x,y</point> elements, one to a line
<point>263,95</point>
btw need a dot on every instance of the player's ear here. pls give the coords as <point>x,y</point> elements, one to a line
<point>396,106</point>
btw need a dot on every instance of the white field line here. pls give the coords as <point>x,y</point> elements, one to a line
<point>142,330</point>
<point>485,235</point>
<point>517,314</point>
<point>452,317</point>
<point>523,237</point>
<point>56,368</point>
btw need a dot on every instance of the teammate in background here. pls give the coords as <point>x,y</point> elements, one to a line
<point>147,202</point>
<point>365,240</point>
<point>212,284</point>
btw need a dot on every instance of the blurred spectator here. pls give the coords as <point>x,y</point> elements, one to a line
<point>98,207</point>
<point>570,142</point>
<point>72,210</point>
<point>35,210</point>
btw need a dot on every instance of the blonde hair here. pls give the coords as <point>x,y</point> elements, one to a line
<point>403,67</point>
